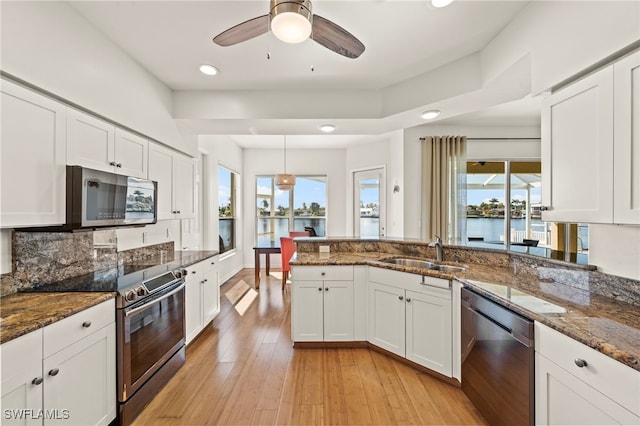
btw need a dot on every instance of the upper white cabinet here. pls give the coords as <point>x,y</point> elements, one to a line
<point>175,174</point>
<point>99,145</point>
<point>32,156</point>
<point>590,142</point>
<point>626,147</point>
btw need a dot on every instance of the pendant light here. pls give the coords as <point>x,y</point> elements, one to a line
<point>285,181</point>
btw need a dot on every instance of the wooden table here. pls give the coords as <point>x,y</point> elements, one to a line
<point>267,249</point>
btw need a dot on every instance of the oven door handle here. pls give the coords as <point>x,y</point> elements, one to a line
<point>147,305</point>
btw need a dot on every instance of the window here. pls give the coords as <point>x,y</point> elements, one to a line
<point>489,225</point>
<point>278,212</point>
<point>226,209</point>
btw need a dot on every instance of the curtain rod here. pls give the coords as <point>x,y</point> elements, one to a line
<point>496,139</point>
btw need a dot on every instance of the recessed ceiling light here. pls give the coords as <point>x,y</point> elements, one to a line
<point>430,115</point>
<point>441,3</point>
<point>327,128</point>
<point>208,69</point>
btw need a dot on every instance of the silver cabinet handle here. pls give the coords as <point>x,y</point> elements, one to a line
<point>37,381</point>
<point>86,324</point>
<point>323,273</point>
<point>580,362</point>
<point>54,372</point>
<point>112,163</point>
<point>408,299</point>
<point>400,297</point>
<point>319,288</point>
<point>119,165</point>
<point>326,289</point>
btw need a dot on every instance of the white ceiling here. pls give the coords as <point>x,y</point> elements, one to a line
<point>403,39</point>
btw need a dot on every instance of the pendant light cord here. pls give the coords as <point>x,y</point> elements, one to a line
<point>285,154</point>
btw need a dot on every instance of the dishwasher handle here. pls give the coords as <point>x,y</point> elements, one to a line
<point>519,327</point>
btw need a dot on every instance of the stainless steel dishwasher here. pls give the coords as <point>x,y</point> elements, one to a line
<point>497,360</point>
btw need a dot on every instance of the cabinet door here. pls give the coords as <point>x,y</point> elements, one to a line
<point>563,399</point>
<point>131,155</point>
<point>22,381</point>
<point>161,171</point>
<point>183,186</point>
<point>338,311</point>
<point>387,318</point>
<point>307,311</point>
<point>79,381</point>
<point>627,140</point>
<point>90,141</point>
<point>210,295</point>
<point>32,158</point>
<point>577,154</point>
<point>429,331</point>
<point>193,301</point>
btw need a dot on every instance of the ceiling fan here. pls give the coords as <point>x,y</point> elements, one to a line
<point>292,22</point>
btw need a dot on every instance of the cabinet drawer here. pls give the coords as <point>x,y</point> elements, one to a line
<point>323,273</point>
<point>195,271</point>
<point>422,284</point>
<point>612,378</point>
<point>23,350</point>
<point>63,333</point>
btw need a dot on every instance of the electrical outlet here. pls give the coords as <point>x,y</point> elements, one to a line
<point>323,249</point>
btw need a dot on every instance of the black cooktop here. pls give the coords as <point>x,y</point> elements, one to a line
<point>114,279</point>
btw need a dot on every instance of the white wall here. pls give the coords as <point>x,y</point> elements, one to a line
<point>51,46</point>
<point>615,249</point>
<point>330,162</point>
<point>222,151</point>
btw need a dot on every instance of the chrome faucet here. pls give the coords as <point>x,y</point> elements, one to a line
<point>438,245</point>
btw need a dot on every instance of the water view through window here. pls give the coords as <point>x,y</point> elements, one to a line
<point>226,210</point>
<point>275,217</point>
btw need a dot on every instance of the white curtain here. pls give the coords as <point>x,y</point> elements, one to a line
<point>444,188</point>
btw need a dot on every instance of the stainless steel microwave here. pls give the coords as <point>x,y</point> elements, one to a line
<point>98,199</point>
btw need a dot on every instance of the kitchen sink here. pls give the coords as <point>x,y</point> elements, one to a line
<point>424,264</point>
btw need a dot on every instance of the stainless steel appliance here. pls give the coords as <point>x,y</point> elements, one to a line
<point>497,360</point>
<point>150,327</point>
<point>150,321</point>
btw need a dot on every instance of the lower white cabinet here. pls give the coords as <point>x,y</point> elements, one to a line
<point>577,385</point>
<point>411,317</point>
<point>322,304</point>
<point>70,385</point>
<point>202,297</point>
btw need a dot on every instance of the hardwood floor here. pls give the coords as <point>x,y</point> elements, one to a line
<point>242,370</point>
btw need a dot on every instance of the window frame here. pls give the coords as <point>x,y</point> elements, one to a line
<point>233,207</point>
<point>290,216</point>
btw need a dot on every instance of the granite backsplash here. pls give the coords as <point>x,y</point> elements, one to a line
<point>40,258</point>
<point>571,275</point>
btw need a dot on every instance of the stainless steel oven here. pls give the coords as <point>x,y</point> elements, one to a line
<point>151,341</point>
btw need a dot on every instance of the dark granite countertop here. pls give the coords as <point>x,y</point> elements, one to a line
<point>24,311</point>
<point>561,298</point>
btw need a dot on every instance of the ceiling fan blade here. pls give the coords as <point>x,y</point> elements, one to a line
<point>336,38</point>
<point>243,32</point>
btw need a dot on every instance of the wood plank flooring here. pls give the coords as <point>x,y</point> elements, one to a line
<point>242,370</point>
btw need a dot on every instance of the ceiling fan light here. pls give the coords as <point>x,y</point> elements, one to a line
<point>430,115</point>
<point>291,27</point>
<point>441,3</point>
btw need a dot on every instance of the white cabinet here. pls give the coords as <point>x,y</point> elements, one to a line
<point>576,385</point>
<point>590,141</point>
<point>577,151</point>
<point>99,145</point>
<point>22,380</point>
<point>202,296</point>
<point>32,158</point>
<point>67,369</point>
<point>322,304</point>
<point>626,146</point>
<point>411,316</point>
<point>175,174</point>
